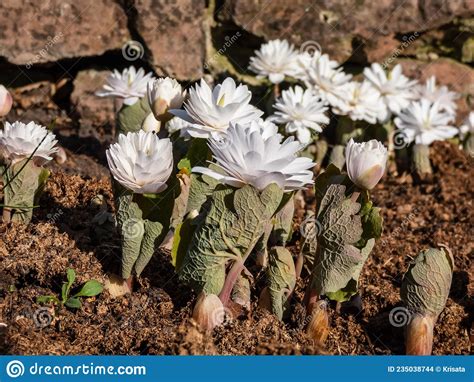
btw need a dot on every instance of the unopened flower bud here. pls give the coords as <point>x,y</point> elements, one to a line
<point>150,124</point>
<point>6,101</point>
<point>60,157</point>
<point>209,311</point>
<point>164,94</point>
<point>366,162</point>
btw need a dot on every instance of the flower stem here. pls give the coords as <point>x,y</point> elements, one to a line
<point>421,159</point>
<point>299,265</point>
<point>129,283</point>
<point>276,91</point>
<point>230,281</point>
<point>469,145</point>
<point>355,195</point>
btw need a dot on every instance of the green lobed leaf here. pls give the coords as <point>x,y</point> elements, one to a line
<point>280,228</point>
<point>236,219</point>
<point>345,293</point>
<point>372,222</point>
<point>338,260</point>
<point>185,164</point>
<point>131,117</point>
<point>201,188</point>
<point>331,175</point>
<point>281,279</point>
<point>144,220</point>
<point>426,284</point>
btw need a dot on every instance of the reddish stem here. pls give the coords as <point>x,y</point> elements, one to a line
<point>129,283</point>
<point>299,265</point>
<point>230,281</point>
<point>355,195</point>
<point>276,91</point>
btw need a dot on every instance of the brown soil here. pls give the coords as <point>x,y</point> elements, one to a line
<point>72,228</point>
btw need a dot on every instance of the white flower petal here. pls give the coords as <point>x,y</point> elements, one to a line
<point>141,162</point>
<point>254,154</point>
<point>365,162</point>
<point>129,85</point>
<point>424,122</point>
<point>18,141</point>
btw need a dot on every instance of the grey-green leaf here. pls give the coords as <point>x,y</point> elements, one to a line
<point>281,276</point>
<point>23,181</point>
<point>132,229</point>
<point>130,118</point>
<point>283,223</point>
<point>338,260</point>
<point>200,189</point>
<point>150,241</point>
<point>235,220</point>
<point>426,284</point>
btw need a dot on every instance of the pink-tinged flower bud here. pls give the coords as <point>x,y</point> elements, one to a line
<point>6,101</point>
<point>366,162</point>
<point>209,311</point>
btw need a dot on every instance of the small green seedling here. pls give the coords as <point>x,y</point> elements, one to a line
<point>89,289</point>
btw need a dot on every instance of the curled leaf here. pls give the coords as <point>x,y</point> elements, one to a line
<point>426,284</point>
<point>281,280</point>
<point>338,260</point>
<point>131,225</point>
<point>23,183</point>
